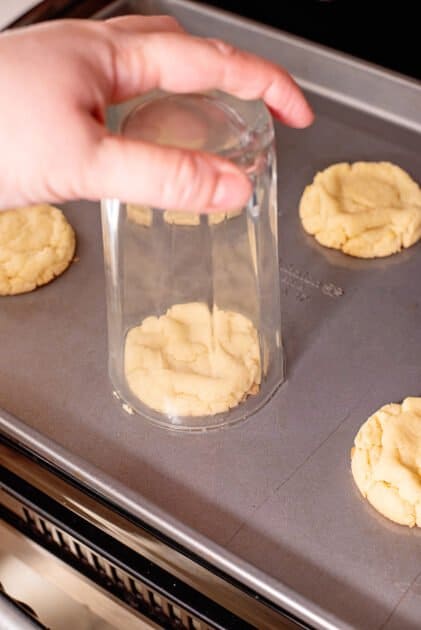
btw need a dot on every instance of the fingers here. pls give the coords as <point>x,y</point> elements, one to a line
<point>146,24</point>
<point>177,62</point>
<point>163,177</point>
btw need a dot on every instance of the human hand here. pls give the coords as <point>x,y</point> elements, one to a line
<point>57,80</point>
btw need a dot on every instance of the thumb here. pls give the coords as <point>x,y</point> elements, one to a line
<point>164,177</point>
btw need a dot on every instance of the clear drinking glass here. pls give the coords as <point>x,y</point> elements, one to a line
<point>216,357</point>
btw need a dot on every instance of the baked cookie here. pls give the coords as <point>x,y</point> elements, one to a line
<point>365,209</point>
<point>190,362</point>
<point>178,217</point>
<point>386,461</point>
<point>142,215</point>
<point>36,244</point>
<point>218,217</point>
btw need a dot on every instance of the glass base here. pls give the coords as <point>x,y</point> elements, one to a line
<point>131,405</point>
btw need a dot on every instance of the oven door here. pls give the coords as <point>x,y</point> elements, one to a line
<point>68,559</point>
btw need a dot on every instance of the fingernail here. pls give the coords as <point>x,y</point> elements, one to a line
<point>231,191</point>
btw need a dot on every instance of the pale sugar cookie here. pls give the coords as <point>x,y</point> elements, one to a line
<point>191,362</point>
<point>142,215</point>
<point>36,244</point>
<point>386,461</point>
<point>365,209</point>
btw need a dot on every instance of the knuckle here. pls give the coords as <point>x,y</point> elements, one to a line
<point>227,50</point>
<point>193,180</point>
<point>289,102</point>
<point>182,180</point>
<point>283,91</point>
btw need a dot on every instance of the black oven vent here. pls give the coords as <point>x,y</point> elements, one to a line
<point>133,579</point>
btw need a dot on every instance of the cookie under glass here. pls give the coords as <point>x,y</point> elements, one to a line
<point>225,263</point>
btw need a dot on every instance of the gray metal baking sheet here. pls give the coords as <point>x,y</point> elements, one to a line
<point>272,500</point>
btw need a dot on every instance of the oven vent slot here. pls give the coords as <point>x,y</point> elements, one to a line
<point>126,587</point>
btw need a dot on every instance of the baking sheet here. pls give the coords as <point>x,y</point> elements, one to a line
<point>272,500</point>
